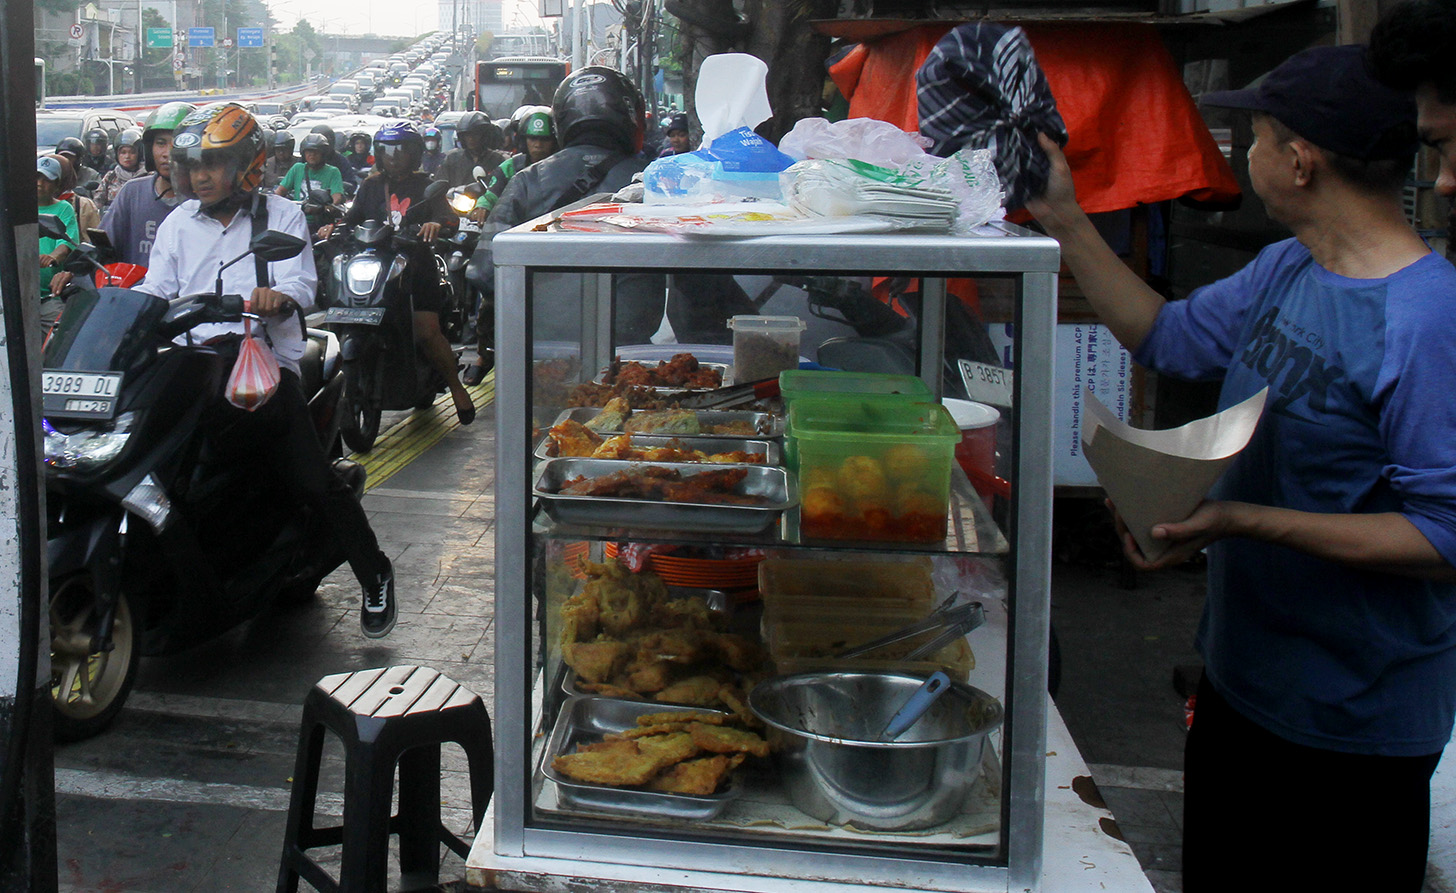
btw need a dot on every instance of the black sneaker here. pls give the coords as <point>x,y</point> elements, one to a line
<point>377,616</point>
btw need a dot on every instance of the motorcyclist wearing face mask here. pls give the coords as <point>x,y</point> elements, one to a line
<point>434,149</point>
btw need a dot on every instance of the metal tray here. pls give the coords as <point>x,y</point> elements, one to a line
<point>610,511</point>
<point>546,448</point>
<point>765,424</point>
<point>587,719</point>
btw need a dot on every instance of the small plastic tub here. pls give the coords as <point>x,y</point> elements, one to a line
<point>764,346</point>
<point>976,453</point>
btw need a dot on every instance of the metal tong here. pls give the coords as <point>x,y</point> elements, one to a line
<point>952,623</point>
<point>733,395</point>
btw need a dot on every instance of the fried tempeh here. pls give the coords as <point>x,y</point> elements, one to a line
<point>700,777</point>
<point>725,739</point>
<point>614,762</point>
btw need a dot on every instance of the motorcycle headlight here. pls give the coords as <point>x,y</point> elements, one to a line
<point>461,202</point>
<point>363,272</point>
<point>89,448</point>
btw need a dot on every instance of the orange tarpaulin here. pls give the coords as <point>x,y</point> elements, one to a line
<point>1135,134</point>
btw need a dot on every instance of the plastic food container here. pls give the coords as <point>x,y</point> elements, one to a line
<point>815,589</point>
<point>858,387</point>
<point>874,471</point>
<point>764,346</point>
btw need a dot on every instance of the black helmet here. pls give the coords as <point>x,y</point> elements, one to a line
<point>71,146</point>
<point>316,141</point>
<point>282,139</point>
<point>130,138</point>
<point>598,101</point>
<point>477,122</point>
<point>327,131</point>
<point>97,135</point>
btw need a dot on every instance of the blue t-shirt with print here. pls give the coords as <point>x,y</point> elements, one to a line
<point>1360,418</point>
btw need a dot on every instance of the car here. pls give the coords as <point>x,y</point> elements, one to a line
<point>333,106</point>
<point>54,125</point>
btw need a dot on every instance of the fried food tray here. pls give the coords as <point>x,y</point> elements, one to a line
<point>765,424</point>
<point>546,449</point>
<point>612,511</point>
<point>725,373</point>
<point>586,720</point>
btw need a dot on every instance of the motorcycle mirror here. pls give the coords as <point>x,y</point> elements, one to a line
<point>272,245</point>
<point>436,189</point>
<point>52,228</point>
<point>478,173</point>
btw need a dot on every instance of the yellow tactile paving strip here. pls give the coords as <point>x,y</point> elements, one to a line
<point>406,440</point>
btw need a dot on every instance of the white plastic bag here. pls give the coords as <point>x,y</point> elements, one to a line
<point>863,139</point>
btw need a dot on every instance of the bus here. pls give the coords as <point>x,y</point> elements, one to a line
<point>504,85</point>
<point>40,83</point>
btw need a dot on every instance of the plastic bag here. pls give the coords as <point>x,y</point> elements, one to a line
<point>863,139</point>
<point>255,375</point>
<point>953,194</point>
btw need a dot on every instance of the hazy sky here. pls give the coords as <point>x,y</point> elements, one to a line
<point>389,17</point>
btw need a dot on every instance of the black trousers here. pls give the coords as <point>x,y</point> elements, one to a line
<point>280,434</point>
<point>1263,813</point>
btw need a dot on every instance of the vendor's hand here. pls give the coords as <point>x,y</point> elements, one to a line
<point>60,281</point>
<point>1210,522</point>
<point>1060,197</point>
<point>49,260</point>
<point>324,232</point>
<point>267,302</point>
<point>429,231</point>
<point>478,215</point>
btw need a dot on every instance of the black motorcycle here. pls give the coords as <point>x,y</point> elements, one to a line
<point>161,531</point>
<point>373,312</point>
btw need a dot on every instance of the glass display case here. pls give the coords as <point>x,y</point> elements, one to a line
<point>672,692</point>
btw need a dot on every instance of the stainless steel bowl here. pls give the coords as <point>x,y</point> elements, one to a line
<point>824,726</point>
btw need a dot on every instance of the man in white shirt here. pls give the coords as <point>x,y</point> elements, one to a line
<point>217,164</point>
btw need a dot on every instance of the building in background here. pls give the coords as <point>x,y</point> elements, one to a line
<point>477,15</point>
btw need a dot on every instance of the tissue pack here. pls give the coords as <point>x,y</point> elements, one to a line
<point>739,164</point>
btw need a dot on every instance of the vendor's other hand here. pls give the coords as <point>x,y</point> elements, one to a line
<point>478,215</point>
<point>1060,196</point>
<point>429,231</point>
<point>267,302</point>
<point>1209,522</point>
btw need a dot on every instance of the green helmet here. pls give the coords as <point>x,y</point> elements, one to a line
<point>537,124</point>
<point>165,119</point>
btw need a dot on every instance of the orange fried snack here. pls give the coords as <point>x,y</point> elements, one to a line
<point>700,777</point>
<point>615,762</point>
<point>724,739</point>
<point>572,438</point>
<point>683,717</point>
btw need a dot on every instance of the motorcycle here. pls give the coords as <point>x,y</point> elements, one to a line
<point>464,322</point>
<point>144,548</point>
<point>373,314</point>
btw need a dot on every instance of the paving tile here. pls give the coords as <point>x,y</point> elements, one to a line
<point>1138,807</point>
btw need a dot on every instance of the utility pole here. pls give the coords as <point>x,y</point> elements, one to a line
<point>27,760</point>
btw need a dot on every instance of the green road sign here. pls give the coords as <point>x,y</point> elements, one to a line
<point>159,38</point>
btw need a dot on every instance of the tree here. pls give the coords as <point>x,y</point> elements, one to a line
<point>776,31</point>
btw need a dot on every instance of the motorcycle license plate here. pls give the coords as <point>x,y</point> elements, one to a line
<point>358,316</point>
<point>79,395</point>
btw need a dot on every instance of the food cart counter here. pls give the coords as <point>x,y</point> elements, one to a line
<point>673,703</point>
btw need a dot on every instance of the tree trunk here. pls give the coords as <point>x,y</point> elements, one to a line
<point>777,32</point>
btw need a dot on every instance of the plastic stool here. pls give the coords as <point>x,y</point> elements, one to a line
<point>385,717</point>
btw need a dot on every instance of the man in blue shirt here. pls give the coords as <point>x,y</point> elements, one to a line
<point>1329,631</point>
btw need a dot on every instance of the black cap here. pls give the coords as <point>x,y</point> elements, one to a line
<point>677,122</point>
<point>1329,96</point>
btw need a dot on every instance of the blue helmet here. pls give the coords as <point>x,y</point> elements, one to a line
<point>397,136</point>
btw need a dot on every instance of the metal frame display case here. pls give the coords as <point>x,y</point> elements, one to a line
<point>532,845</point>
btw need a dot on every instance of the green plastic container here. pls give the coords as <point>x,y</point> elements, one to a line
<point>797,384</point>
<point>872,469</point>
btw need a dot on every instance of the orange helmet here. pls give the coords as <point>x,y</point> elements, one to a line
<point>221,132</point>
